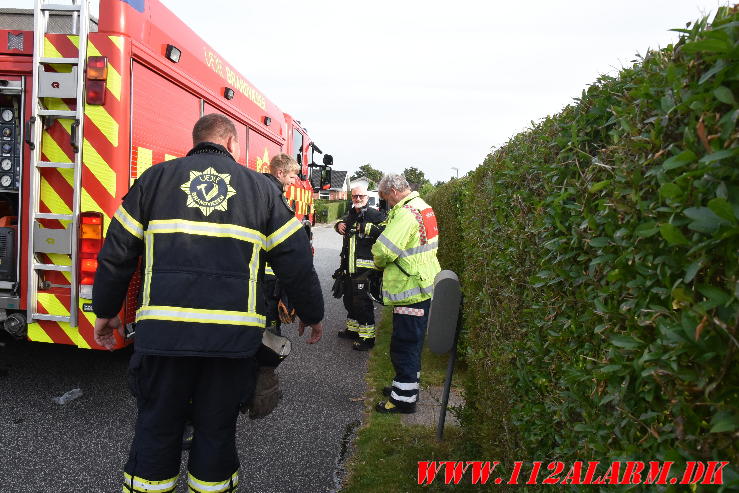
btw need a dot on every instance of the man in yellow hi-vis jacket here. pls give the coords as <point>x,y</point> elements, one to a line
<point>205,226</point>
<point>406,251</point>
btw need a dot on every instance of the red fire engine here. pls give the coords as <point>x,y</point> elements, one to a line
<point>86,105</point>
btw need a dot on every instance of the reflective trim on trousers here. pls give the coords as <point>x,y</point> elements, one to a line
<point>366,330</point>
<point>135,484</point>
<point>406,385</point>
<point>227,486</point>
<point>403,398</point>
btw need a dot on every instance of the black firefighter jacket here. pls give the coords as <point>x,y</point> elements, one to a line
<point>362,229</point>
<point>205,226</point>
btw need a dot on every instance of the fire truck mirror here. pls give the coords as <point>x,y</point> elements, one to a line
<point>328,160</point>
<point>325,178</point>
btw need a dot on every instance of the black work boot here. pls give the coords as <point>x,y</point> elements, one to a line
<point>348,334</point>
<point>364,344</point>
<point>387,407</point>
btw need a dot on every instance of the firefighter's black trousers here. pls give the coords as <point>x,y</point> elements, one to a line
<point>358,305</point>
<point>164,388</point>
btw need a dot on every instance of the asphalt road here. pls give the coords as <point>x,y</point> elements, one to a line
<point>81,446</point>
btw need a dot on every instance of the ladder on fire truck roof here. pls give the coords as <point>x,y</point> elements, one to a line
<point>56,86</point>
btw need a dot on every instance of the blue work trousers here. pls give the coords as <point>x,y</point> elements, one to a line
<point>409,330</point>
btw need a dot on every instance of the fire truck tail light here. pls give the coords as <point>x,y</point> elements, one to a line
<point>91,241</point>
<point>91,230</point>
<point>97,74</point>
<point>97,68</point>
<point>95,92</point>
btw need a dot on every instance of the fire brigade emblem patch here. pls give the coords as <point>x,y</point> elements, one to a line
<point>208,190</point>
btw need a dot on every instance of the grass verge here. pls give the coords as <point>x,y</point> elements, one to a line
<point>386,452</point>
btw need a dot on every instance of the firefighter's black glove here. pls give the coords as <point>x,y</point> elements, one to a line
<point>286,313</point>
<point>267,394</point>
<point>337,290</point>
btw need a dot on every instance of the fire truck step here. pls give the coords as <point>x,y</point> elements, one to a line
<point>68,61</point>
<point>49,164</point>
<point>51,6</point>
<point>60,268</point>
<point>46,316</point>
<point>58,217</point>
<point>58,113</point>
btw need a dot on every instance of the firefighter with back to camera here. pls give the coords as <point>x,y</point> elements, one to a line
<point>204,225</point>
<point>360,227</point>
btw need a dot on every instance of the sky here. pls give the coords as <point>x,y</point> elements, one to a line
<point>425,83</point>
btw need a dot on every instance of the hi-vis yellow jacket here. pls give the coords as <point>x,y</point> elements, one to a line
<point>406,251</point>
<point>205,226</point>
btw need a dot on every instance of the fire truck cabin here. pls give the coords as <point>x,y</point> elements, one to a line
<point>87,104</point>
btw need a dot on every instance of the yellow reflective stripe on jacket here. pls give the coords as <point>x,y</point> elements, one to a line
<point>135,484</point>
<point>148,266</point>
<point>268,270</point>
<point>428,247</point>
<point>352,249</point>
<point>253,275</point>
<point>207,229</point>
<point>283,233</point>
<point>366,263</point>
<point>404,295</point>
<point>200,486</point>
<point>390,245</point>
<point>401,253</point>
<point>199,315</point>
<point>129,223</point>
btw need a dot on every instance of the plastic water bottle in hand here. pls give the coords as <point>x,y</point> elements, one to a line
<point>68,396</point>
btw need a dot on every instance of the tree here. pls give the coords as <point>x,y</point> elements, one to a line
<point>415,176</point>
<point>369,173</point>
<point>426,189</point>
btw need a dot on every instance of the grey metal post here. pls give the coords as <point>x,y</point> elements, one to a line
<point>443,329</point>
<point>448,382</point>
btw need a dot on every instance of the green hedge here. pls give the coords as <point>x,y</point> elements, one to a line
<point>598,253</point>
<point>328,211</point>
